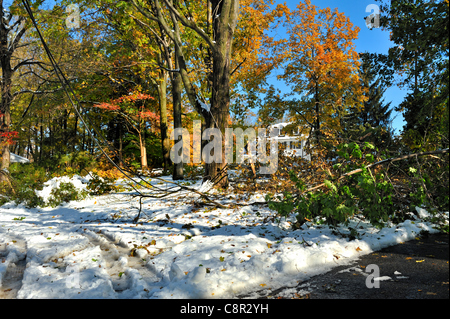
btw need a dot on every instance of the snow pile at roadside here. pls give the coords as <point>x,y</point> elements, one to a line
<point>91,248</point>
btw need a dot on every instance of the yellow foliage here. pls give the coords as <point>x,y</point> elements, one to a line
<point>110,173</point>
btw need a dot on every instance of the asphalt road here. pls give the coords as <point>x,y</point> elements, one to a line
<point>417,269</point>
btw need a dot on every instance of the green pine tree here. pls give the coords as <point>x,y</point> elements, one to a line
<point>373,122</point>
<point>419,30</point>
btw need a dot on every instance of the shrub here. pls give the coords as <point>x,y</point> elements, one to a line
<point>66,192</point>
<point>28,175</point>
<point>25,178</point>
<point>29,198</point>
<point>101,185</point>
<point>72,164</point>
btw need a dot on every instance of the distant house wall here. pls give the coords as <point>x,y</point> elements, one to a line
<point>18,159</point>
<point>292,145</point>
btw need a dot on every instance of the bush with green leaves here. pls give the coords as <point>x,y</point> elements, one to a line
<point>71,164</point>
<point>365,192</point>
<point>101,185</point>
<point>28,175</point>
<point>28,178</point>
<point>66,192</point>
<point>25,179</point>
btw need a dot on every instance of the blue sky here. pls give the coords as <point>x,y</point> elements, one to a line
<point>373,41</point>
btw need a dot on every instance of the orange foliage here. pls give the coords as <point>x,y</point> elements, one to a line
<point>322,64</point>
<point>121,102</point>
<point>110,173</point>
<point>8,137</point>
<point>251,41</point>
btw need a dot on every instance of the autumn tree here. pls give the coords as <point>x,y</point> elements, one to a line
<point>213,27</point>
<point>11,33</point>
<point>321,67</point>
<point>48,126</point>
<point>13,29</point>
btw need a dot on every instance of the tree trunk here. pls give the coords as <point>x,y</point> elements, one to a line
<point>5,115</point>
<point>75,133</point>
<point>317,110</point>
<point>224,25</point>
<point>41,140</point>
<point>176,96</point>
<point>143,149</point>
<point>165,140</point>
<point>225,17</point>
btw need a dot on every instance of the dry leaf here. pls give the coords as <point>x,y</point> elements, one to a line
<point>358,249</point>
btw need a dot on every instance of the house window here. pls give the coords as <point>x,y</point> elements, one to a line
<point>296,145</point>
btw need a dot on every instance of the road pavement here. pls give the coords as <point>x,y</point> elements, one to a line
<point>417,269</point>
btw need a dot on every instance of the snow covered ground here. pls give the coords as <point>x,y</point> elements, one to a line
<point>92,248</point>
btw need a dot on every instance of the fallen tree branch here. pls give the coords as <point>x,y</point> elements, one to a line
<point>389,160</point>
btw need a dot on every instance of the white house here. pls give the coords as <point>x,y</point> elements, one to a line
<point>13,158</point>
<point>293,145</point>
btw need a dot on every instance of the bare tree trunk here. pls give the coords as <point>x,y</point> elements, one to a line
<point>165,140</point>
<point>5,115</point>
<point>224,24</point>
<point>317,132</point>
<point>176,96</point>
<point>142,147</point>
<point>143,150</point>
